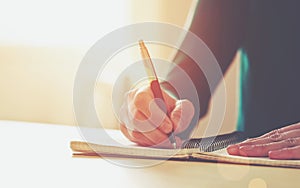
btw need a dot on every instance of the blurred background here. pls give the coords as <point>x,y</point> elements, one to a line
<point>43,42</point>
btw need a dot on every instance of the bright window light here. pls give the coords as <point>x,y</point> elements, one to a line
<point>63,22</point>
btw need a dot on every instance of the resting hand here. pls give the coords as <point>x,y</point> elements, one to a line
<point>283,143</point>
<point>143,122</point>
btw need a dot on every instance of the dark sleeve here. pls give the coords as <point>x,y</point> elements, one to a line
<point>220,25</point>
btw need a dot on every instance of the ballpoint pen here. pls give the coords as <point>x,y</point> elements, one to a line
<point>155,86</point>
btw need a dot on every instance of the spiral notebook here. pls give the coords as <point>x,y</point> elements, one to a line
<point>196,149</point>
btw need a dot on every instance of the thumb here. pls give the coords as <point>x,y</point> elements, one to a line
<point>182,115</point>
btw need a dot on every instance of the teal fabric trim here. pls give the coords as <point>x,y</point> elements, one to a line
<point>244,71</point>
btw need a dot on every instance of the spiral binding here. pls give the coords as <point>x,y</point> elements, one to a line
<point>213,143</point>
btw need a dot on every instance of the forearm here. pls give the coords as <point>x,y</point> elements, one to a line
<point>220,25</point>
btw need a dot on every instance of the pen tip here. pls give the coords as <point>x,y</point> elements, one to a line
<point>174,145</point>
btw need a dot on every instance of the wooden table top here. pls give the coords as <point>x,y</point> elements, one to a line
<point>38,155</point>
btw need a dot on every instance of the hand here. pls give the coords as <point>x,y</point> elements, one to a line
<point>143,122</point>
<point>283,143</point>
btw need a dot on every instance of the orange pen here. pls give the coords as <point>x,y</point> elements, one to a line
<point>154,84</point>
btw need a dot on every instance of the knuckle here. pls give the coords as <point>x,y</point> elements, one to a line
<point>290,142</point>
<point>276,135</point>
<point>273,132</point>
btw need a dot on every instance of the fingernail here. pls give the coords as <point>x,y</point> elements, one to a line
<point>247,148</point>
<point>277,154</point>
<point>243,150</point>
<point>233,149</point>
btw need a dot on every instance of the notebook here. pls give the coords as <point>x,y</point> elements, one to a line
<point>196,149</point>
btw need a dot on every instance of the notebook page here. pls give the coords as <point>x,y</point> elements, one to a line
<point>106,141</point>
<point>128,150</point>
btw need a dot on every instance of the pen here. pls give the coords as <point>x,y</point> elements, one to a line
<point>154,85</point>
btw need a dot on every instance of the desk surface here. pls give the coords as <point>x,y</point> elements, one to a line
<point>38,155</point>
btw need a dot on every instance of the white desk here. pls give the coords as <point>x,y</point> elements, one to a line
<point>38,155</point>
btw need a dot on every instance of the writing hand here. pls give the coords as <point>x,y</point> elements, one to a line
<point>145,123</point>
<point>283,143</point>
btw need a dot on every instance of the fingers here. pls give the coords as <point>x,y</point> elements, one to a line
<point>154,138</point>
<point>261,150</point>
<point>130,126</point>
<point>282,143</point>
<point>143,107</point>
<point>182,115</point>
<point>143,141</point>
<point>146,123</point>
<point>286,153</point>
<point>137,138</point>
<point>282,130</point>
<point>275,136</point>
